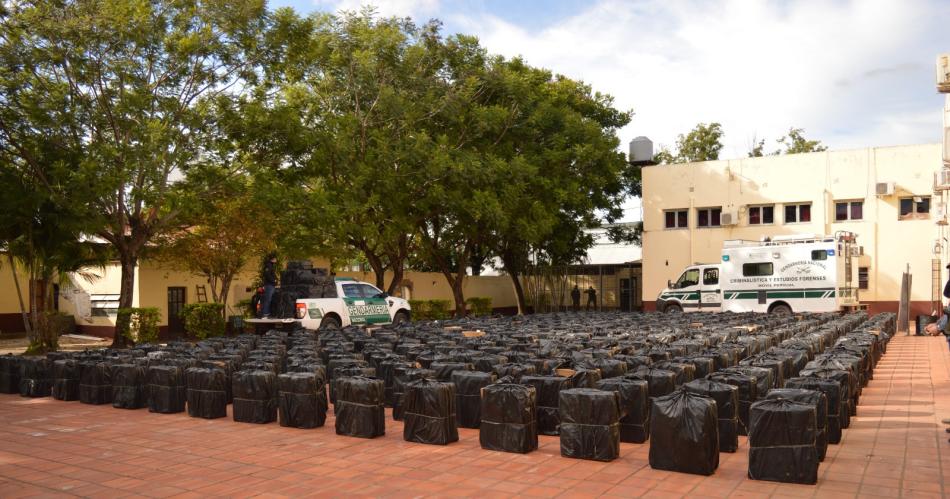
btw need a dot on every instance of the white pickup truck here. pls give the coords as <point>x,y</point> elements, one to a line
<point>358,303</point>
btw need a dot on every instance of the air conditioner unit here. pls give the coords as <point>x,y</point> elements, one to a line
<point>943,73</point>
<point>884,188</point>
<point>729,218</point>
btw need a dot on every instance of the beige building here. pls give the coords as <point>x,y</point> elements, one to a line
<point>690,209</point>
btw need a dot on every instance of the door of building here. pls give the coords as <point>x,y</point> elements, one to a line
<point>176,305</point>
<point>626,295</point>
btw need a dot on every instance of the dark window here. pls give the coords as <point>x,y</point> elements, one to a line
<point>369,291</point>
<point>352,291</point>
<point>841,212</point>
<point>849,210</point>
<point>689,278</point>
<point>759,215</point>
<point>711,276</point>
<point>857,210</point>
<point>708,217</point>
<point>862,278</point>
<point>915,208</point>
<point>756,269</point>
<point>797,213</point>
<point>677,219</point>
<point>819,254</point>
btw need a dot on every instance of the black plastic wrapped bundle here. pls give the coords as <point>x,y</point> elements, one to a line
<point>430,412</point>
<point>684,433</point>
<point>95,383</point>
<point>832,391</point>
<point>635,361</point>
<point>387,372</point>
<point>762,375</point>
<point>727,409</point>
<point>509,418</point>
<point>816,399</point>
<point>782,442</point>
<point>9,374</point>
<point>302,400</point>
<point>360,407</point>
<point>468,397</point>
<point>585,378</point>
<point>347,371</point>
<point>634,407</point>
<point>590,424</point>
<point>255,396</point>
<point>844,379</point>
<point>165,389</point>
<point>128,386</point>
<point>775,365</point>
<point>547,389</point>
<point>515,370</point>
<point>35,377</point>
<point>486,362</point>
<point>660,381</point>
<point>609,368</point>
<point>684,372</point>
<point>444,370</point>
<point>65,380</point>
<point>207,397</point>
<point>403,376</point>
<point>702,366</point>
<point>747,394</point>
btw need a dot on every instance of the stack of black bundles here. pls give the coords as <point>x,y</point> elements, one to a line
<point>509,417</point>
<point>95,383</point>
<point>302,401</point>
<point>782,442</point>
<point>128,386</point>
<point>813,398</point>
<point>360,407</point>
<point>684,433</point>
<point>9,374</point>
<point>35,377</point>
<point>747,393</point>
<point>207,397</point>
<point>590,424</point>
<point>548,390</point>
<point>444,370</point>
<point>660,381</point>
<point>843,379</point>
<point>515,370</point>
<point>585,377</point>
<point>165,389</point>
<point>403,376</point>
<point>255,396</point>
<point>468,396</point>
<point>430,413</point>
<point>727,407</point>
<point>634,407</point>
<point>387,372</point>
<point>65,380</point>
<point>832,391</point>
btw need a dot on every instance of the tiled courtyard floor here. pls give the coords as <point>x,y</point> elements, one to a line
<point>894,448</point>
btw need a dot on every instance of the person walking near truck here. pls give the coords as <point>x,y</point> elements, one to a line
<point>269,281</point>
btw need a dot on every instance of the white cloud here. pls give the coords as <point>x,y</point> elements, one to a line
<point>852,74</point>
<point>419,9</point>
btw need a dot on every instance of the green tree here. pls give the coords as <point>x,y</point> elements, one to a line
<point>702,143</point>
<point>122,85</point>
<point>795,142</point>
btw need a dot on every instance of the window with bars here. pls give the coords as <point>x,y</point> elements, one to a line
<point>849,210</point>
<point>677,219</point>
<point>708,217</point>
<point>797,213</point>
<point>761,215</point>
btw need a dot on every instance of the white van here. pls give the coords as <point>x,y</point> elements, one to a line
<point>785,274</point>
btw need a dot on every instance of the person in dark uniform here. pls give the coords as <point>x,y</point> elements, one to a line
<point>591,297</point>
<point>269,281</point>
<point>576,298</point>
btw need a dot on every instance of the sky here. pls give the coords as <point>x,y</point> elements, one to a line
<point>851,73</point>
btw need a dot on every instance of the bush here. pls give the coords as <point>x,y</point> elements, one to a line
<point>143,323</point>
<point>420,310</point>
<point>479,305</point>
<point>204,320</point>
<point>245,308</point>
<point>439,309</point>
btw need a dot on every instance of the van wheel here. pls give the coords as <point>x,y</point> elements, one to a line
<point>781,309</point>
<point>330,322</point>
<point>400,318</point>
<point>673,309</point>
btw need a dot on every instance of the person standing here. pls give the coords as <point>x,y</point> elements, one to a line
<point>591,298</point>
<point>576,298</point>
<point>269,281</point>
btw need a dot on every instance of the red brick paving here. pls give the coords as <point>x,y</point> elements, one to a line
<point>894,448</point>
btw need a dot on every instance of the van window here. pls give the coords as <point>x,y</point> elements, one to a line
<point>710,276</point>
<point>756,269</point>
<point>819,254</point>
<point>689,278</point>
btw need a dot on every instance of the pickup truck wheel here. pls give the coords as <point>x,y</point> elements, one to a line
<point>400,318</point>
<point>330,322</point>
<point>673,309</point>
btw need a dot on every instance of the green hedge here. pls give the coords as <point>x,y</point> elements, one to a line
<point>479,305</point>
<point>430,310</point>
<point>204,320</point>
<point>143,323</point>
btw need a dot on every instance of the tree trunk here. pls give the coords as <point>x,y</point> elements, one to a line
<point>397,279</point>
<point>379,270</point>
<point>126,290</point>
<point>19,294</point>
<point>225,290</point>
<point>519,292</point>
<point>459,298</point>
